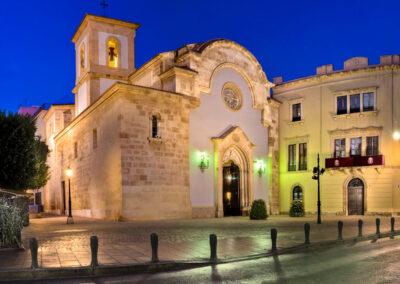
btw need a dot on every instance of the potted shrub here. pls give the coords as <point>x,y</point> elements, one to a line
<point>296,209</point>
<point>258,210</point>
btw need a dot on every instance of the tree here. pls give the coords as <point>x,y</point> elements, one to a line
<point>22,155</point>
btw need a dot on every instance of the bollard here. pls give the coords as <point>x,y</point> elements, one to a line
<point>378,224</point>
<point>340,230</point>
<point>33,244</point>
<point>274,234</point>
<point>392,227</point>
<point>213,248</point>
<point>154,247</point>
<point>307,233</point>
<point>360,226</point>
<point>94,248</point>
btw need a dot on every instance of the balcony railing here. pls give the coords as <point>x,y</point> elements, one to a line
<point>355,161</point>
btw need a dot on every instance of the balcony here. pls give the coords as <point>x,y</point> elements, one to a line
<point>355,161</point>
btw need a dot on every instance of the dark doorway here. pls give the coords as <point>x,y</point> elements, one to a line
<point>231,197</point>
<point>297,194</point>
<point>356,197</point>
<point>63,209</point>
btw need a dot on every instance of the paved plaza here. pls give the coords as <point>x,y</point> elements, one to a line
<point>62,245</point>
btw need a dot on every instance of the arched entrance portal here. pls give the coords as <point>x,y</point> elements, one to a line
<point>234,152</point>
<point>231,190</point>
<point>355,193</point>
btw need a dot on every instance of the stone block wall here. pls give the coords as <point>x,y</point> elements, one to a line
<point>155,172</point>
<point>96,183</point>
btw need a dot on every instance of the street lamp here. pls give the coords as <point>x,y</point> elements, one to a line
<point>396,135</point>
<point>69,173</point>
<point>317,171</point>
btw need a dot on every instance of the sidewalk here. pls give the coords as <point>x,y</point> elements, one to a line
<point>62,245</point>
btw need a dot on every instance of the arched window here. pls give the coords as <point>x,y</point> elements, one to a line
<point>82,56</point>
<point>112,52</point>
<point>297,193</point>
<point>154,126</point>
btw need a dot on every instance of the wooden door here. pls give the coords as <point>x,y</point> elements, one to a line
<point>356,197</point>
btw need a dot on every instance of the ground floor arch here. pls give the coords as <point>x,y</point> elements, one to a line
<point>355,197</point>
<point>234,160</point>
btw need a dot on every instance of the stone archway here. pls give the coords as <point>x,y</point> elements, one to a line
<point>234,146</point>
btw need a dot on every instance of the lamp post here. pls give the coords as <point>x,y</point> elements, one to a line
<point>317,171</point>
<point>69,173</point>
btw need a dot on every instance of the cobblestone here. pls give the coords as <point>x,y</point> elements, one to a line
<point>62,245</point>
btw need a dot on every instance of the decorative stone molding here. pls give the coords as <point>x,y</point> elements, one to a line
<point>310,81</point>
<point>359,130</point>
<point>233,145</point>
<point>355,63</point>
<point>271,120</point>
<point>355,114</point>
<point>356,91</point>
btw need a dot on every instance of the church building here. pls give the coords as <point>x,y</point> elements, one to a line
<point>191,133</point>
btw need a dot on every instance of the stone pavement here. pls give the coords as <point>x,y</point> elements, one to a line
<point>62,245</point>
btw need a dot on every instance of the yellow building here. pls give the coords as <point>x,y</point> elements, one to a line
<point>351,118</point>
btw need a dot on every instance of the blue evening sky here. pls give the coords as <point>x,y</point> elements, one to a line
<point>289,38</point>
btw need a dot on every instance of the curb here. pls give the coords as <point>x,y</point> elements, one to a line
<point>167,266</point>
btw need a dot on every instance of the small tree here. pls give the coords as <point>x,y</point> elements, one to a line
<point>22,155</point>
<point>42,169</point>
<point>258,210</point>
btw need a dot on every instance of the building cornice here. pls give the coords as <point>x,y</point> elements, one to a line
<point>315,80</point>
<point>116,89</point>
<point>55,107</point>
<point>145,67</point>
<point>176,70</point>
<point>96,75</point>
<point>105,20</point>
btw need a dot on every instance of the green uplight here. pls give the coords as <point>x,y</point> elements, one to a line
<point>203,160</point>
<point>259,166</point>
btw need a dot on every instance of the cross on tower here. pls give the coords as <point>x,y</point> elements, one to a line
<point>104,4</point>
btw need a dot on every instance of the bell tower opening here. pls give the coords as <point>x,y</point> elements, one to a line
<point>112,52</point>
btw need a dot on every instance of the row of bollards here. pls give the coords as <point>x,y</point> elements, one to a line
<point>360,228</point>
<point>94,247</point>
<point>94,242</point>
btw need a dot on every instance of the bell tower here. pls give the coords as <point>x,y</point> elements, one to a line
<point>104,54</point>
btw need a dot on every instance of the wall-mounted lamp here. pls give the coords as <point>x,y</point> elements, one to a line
<point>259,167</point>
<point>204,161</point>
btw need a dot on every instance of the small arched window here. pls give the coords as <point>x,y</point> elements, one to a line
<point>112,52</point>
<point>82,56</point>
<point>297,193</point>
<point>154,126</point>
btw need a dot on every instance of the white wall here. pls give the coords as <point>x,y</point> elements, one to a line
<point>105,84</point>
<point>123,41</point>
<point>82,99</point>
<point>211,119</point>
